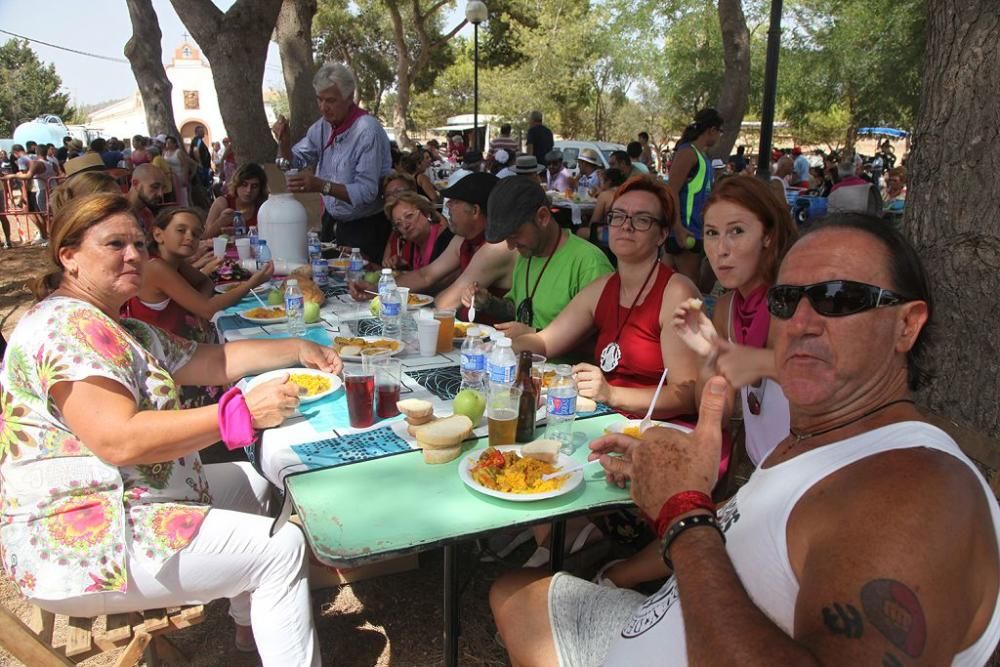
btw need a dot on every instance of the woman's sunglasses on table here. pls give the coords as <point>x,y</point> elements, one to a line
<point>832,298</point>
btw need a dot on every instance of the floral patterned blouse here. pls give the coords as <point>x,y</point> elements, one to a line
<point>68,520</point>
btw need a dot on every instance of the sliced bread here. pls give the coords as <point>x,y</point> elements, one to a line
<point>543,450</point>
<point>415,408</point>
<point>584,404</point>
<point>437,456</point>
<point>443,433</point>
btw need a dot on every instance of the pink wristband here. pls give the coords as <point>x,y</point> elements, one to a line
<point>235,421</point>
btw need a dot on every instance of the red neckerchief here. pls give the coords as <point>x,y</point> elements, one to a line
<point>751,319</point>
<point>353,114</point>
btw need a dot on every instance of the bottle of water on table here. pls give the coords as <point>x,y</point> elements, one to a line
<point>501,365</point>
<point>390,308</point>
<point>294,305</point>
<point>473,358</point>
<point>239,226</point>
<point>263,254</point>
<point>355,266</point>
<point>560,407</point>
<point>312,242</point>
<point>254,240</point>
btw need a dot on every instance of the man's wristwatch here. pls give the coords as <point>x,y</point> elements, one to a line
<point>327,187</point>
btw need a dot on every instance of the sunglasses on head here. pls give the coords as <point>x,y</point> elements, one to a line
<point>833,298</point>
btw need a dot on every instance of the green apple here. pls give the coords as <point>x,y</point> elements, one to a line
<point>470,403</point>
<point>311,312</point>
<point>373,307</point>
<point>372,277</point>
<point>275,297</point>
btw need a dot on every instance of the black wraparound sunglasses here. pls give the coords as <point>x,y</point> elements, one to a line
<point>833,298</point>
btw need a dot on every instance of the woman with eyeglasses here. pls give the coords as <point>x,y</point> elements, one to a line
<point>630,312</point>
<point>419,233</point>
<point>747,233</point>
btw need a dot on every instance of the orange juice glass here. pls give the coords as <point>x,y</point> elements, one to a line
<point>446,334</point>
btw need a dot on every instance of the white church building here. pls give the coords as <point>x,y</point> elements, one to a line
<point>193,97</point>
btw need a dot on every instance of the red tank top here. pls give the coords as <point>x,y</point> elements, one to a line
<point>251,220</point>
<point>173,318</point>
<point>642,358</point>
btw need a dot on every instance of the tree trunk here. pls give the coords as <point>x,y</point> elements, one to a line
<point>735,92</point>
<point>401,106</point>
<point>145,56</point>
<point>294,36</point>
<point>952,202</point>
<point>235,44</point>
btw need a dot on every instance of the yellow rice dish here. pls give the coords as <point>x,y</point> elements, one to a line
<point>310,384</point>
<point>515,474</point>
<point>261,313</point>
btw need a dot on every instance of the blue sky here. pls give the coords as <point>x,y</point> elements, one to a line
<point>103,27</point>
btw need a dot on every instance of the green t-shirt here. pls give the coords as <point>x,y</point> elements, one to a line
<point>576,264</point>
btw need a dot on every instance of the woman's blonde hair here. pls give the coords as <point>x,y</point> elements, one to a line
<point>412,198</point>
<point>68,229</point>
<point>79,185</point>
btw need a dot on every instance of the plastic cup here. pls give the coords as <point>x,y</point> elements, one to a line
<point>359,386</point>
<point>219,244</point>
<point>427,335</point>
<point>387,385</point>
<point>404,297</point>
<point>501,415</point>
<point>446,334</point>
<point>243,248</point>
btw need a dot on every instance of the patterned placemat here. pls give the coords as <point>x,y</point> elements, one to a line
<point>442,382</point>
<point>351,448</point>
<point>332,290</point>
<point>369,327</point>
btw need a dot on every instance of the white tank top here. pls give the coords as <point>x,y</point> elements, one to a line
<point>755,521</point>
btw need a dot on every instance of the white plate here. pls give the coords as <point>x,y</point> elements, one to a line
<point>425,300</point>
<point>564,461</point>
<point>335,382</point>
<point>486,331</point>
<point>260,290</point>
<point>372,339</point>
<point>262,320</point>
<point>619,427</point>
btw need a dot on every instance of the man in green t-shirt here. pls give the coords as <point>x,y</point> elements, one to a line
<point>553,264</point>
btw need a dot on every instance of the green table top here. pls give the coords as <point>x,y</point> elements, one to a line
<point>364,512</point>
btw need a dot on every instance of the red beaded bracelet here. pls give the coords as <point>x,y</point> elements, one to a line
<point>681,503</point>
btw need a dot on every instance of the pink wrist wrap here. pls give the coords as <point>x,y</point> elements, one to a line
<point>235,421</point>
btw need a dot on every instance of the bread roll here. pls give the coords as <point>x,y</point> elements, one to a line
<point>437,456</point>
<point>543,450</point>
<point>415,408</point>
<point>443,433</point>
<point>350,351</point>
<point>584,404</point>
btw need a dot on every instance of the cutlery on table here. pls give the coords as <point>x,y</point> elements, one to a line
<point>472,308</point>
<point>568,471</point>
<point>646,421</point>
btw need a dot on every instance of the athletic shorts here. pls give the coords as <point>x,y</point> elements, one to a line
<point>587,619</point>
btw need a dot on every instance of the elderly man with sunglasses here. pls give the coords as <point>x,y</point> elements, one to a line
<point>554,265</point>
<point>866,537</point>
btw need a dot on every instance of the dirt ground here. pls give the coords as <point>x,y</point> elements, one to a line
<point>389,620</point>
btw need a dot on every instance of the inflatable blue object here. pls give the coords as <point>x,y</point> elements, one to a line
<point>885,131</point>
<point>43,130</point>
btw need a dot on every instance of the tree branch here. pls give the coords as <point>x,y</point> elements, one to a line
<point>201,17</point>
<point>444,38</point>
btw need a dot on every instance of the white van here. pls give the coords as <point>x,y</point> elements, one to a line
<point>571,149</point>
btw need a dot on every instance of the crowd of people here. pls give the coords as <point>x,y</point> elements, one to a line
<point>814,338</point>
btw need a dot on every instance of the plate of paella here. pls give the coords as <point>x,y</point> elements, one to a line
<point>350,348</point>
<point>313,384</point>
<point>503,472</point>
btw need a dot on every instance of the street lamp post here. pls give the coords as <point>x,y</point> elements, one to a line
<point>476,13</point>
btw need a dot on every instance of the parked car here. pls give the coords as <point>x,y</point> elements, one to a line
<point>571,149</point>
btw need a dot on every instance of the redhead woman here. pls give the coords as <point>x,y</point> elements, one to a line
<point>247,192</point>
<point>128,517</point>
<point>419,233</point>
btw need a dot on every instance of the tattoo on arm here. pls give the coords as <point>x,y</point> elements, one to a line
<point>844,619</point>
<point>895,612</point>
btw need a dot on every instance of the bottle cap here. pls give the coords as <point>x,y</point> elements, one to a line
<point>472,332</point>
<point>262,242</point>
<point>505,342</point>
<point>386,272</point>
<point>355,249</point>
<point>292,282</point>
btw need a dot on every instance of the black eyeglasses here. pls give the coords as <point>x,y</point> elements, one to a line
<point>640,221</point>
<point>525,312</point>
<point>833,298</point>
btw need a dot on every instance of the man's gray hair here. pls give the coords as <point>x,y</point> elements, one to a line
<point>535,116</point>
<point>335,74</point>
<point>846,169</point>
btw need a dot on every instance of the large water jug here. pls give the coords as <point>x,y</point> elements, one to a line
<point>282,222</point>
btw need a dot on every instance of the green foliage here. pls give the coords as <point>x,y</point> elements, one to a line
<point>28,88</point>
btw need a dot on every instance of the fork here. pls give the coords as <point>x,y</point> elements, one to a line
<point>646,421</point>
<point>568,471</point>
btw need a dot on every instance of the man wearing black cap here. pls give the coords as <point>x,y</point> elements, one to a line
<point>468,259</point>
<point>553,265</point>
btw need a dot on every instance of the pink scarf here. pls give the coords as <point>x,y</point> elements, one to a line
<point>751,320</point>
<point>353,114</point>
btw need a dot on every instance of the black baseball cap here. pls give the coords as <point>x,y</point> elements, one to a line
<point>474,188</point>
<point>513,202</point>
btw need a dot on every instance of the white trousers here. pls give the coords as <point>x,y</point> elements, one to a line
<point>232,556</point>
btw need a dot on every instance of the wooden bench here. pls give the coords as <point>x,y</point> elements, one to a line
<point>140,633</point>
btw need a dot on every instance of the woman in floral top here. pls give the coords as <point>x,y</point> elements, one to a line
<point>105,506</point>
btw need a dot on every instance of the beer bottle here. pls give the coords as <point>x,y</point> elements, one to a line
<point>529,399</point>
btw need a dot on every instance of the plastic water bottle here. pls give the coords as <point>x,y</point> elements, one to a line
<point>294,307</point>
<point>355,266</point>
<point>473,358</point>
<point>560,406</point>
<point>254,239</point>
<point>501,366</point>
<point>239,226</point>
<point>390,308</point>
<point>263,254</point>
<point>312,243</point>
